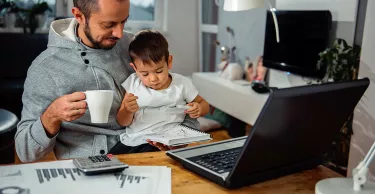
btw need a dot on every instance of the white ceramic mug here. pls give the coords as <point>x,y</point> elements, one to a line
<point>99,103</point>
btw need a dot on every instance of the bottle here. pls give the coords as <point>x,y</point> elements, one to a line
<point>248,69</point>
<point>247,63</point>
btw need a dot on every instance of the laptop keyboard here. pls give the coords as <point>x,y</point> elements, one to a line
<point>220,162</point>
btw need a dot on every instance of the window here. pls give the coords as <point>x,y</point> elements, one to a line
<point>144,14</point>
<point>208,51</point>
<point>208,16</point>
<point>147,14</point>
<point>142,10</point>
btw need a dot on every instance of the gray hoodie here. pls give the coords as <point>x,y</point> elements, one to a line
<point>68,66</point>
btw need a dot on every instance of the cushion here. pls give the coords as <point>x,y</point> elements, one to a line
<point>219,116</point>
<point>208,124</point>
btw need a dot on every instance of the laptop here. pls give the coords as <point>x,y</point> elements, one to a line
<point>293,131</point>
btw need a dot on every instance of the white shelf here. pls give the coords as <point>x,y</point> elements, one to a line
<point>232,97</point>
<point>20,30</point>
<point>237,98</point>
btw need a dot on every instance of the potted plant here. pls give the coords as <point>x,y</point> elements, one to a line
<point>6,5</point>
<point>342,63</point>
<point>31,22</point>
<point>9,9</point>
<point>341,60</point>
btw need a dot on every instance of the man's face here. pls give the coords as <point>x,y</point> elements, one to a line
<point>105,27</point>
<point>153,75</point>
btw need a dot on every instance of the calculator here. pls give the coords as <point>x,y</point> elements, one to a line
<point>99,164</point>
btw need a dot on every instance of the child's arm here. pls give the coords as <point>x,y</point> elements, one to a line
<point>128,107</point>
<point>199,107</point>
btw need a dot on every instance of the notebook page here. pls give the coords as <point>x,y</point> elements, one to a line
<point>178,132</point>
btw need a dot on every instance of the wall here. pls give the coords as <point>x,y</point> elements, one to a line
<point>248,27</point>
<point>364,117</point>
<point>342,10</point>
<point>182,34</point>
<point>344,13</point>
<point>62,7</point>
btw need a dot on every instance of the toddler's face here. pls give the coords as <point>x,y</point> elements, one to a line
<point>153,75</point>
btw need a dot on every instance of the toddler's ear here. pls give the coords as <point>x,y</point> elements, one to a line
<point>170,61</point>
<point>132,65</point>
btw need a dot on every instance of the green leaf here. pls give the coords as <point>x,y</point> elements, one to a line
<point>339,41</point>
<point>345,43</point>
<point>341,60</point>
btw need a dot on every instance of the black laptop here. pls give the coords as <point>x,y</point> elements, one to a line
<point>293,131</point>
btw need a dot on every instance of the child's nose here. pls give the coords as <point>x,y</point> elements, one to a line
<point>153,78</point>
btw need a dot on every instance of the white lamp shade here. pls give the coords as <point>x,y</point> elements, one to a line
<point>242,5</point>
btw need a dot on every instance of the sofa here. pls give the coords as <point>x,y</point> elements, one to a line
<point>17,51</point>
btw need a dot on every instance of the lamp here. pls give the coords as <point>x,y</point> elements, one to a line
<point>355,185</point>
<point>242,5</point>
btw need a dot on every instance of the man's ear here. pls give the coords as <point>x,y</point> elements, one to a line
<point>134,67</point>
<point>79,16</point>
<point>170,61</point>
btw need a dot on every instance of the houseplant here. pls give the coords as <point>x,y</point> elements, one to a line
<point>29,20</point>
<point>6,5</point>
<point>8,10</point>
<point>341,60</point>
<point>342,63</point>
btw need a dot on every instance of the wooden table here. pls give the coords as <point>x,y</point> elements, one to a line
<point>184,181</point>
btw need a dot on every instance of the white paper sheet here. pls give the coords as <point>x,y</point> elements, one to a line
<point>63,177</point>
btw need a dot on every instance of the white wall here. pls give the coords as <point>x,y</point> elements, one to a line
<point>342,10</point>
<point>249,32</point>
<point>182,35</point>
<point>364,117</point>
<point>344,14</point>
<point>70,6</point>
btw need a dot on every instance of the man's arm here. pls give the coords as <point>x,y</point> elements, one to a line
<point>65,108</point>
<point>42,114</point>
<point>31,140</point>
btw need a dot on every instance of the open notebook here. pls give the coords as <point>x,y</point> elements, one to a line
<point>179,135</point>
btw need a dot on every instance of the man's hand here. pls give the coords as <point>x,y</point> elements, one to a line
<point>130,103</point>
<point>65,108</point>
<point>163,147</point>
<point>195,111</point>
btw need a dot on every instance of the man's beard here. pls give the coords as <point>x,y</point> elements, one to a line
<point>96,44</point>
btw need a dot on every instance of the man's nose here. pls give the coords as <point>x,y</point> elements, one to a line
<point>118,31</point>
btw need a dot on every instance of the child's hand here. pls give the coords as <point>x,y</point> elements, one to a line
<point>195,110</point>
<point>130,103</point>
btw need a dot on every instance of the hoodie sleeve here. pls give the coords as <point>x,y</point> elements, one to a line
<point>32,142</point>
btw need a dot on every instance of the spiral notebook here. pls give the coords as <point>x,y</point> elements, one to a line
<point>180,135</point>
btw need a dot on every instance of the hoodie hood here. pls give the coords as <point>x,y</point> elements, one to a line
<point>62,34</point>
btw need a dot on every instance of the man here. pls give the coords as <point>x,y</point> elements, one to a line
<point>89,52</point>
